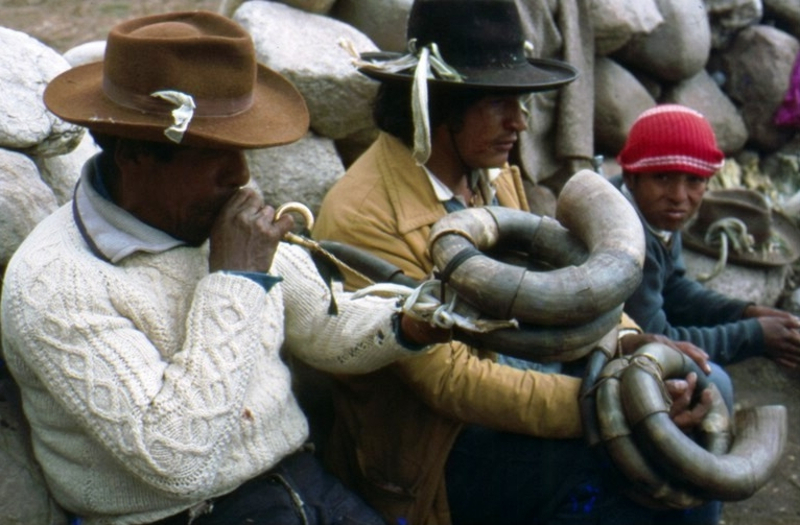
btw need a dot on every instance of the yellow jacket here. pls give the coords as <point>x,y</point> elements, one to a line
<point>395,427</point>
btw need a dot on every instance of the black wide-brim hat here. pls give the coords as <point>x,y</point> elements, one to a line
<point>482,40</point>
<point>776,236</point>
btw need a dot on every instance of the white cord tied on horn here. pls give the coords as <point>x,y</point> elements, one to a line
<point>424,303</point>
<point>181,115</point>
<point>427,63</point>
<point>718,234</point>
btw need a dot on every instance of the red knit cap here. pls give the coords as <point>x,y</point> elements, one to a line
<point>671,137</point>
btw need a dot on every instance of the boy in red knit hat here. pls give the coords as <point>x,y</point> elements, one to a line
<point>670,155</point>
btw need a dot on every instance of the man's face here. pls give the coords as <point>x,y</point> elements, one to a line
<point>489,130</point>
<point>184,195</point>
<point>667,199</point>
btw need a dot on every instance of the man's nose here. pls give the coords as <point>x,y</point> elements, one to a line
<point>236,172</point>
<point>518,119</point>
<point>679,190</point>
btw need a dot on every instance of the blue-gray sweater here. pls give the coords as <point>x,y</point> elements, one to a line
<point>670,303</point>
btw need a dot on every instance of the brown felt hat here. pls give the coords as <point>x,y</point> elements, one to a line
<point>776,238</point>
<point>238,103</point>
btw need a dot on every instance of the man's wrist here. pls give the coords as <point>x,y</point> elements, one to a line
<point>265,280</point>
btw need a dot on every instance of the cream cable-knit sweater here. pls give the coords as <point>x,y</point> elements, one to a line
<point>153,385</point>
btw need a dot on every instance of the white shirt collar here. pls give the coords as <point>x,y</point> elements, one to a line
<point>109,229</point>
<point>482,179</point>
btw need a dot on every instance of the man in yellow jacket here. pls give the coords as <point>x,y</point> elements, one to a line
<point>453,436</point>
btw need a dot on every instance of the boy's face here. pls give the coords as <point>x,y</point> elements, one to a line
<point>666,199</point>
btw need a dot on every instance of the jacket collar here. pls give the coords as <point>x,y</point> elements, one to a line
<point>403,177</point>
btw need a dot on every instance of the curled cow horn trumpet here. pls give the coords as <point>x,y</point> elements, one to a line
<point>668,468</point>
<point>592,254</point>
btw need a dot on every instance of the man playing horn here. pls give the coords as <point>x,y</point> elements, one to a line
<point>669,156</point>
<point>456,436</point>
<point>147,320</point>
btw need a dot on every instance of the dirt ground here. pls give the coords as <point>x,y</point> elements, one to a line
<point>63,24</point>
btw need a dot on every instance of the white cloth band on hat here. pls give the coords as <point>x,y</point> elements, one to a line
<point>182,114</point>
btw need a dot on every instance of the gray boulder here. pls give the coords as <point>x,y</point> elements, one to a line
<point>758,66</point>
<point>616,22</point>
<point>61,172</point>
<point>301,172</point>
<point>27,66</point>
<point>24,201</point>
<point>787,12</point>
<point>86,53</point>
<point>703,94</point>
<point>728,17</point>
<point>383,21</point>
<point>675,50</point>
<point>619,99</point>
<point>306,49</point>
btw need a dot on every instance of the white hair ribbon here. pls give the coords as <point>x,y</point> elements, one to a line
<point>427,63</point>
<point>419,105</point>
<point>181,115</point>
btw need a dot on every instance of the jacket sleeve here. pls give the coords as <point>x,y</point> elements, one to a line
<point>457,383</point>
<point>669,303</point>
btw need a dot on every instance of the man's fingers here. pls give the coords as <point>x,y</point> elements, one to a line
<point>676,387</point>
<point>243,202</point>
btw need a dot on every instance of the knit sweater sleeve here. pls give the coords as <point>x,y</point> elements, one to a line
<point>360,337</point>
<point>70,337</point>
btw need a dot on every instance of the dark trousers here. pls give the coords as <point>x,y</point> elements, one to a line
<point>297,491</point>
<point>498,478</point>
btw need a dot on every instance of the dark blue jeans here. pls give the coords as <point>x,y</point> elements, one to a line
<point>296,492</point>
<point>500,478</point>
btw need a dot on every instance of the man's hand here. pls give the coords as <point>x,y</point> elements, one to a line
<point>631,342</point>
<point>781,333</point>
<point>244,237</point>
<point>682,413</point>
<point>755,310</point>
<point>781,340</point>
